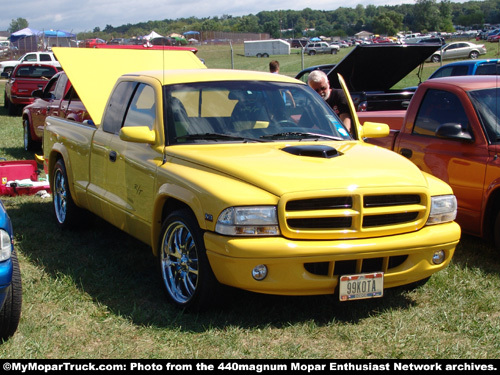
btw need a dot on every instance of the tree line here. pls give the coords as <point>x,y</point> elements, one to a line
<point>422,16</point>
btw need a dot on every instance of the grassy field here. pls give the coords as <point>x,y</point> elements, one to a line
<point>94,293</point>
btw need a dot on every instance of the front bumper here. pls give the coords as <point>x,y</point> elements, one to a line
<point>313,267</point>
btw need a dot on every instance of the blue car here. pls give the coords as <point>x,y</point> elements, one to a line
<point>468,68</point>
<point>10,279</point>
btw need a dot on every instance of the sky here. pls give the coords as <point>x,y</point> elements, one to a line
<point>85,15</point>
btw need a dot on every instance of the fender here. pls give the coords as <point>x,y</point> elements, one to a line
<point>168,192</point>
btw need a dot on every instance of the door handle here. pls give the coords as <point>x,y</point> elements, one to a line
<point>112,156</point>
<point>406,152</point>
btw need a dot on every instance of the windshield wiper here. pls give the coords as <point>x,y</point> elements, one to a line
<point>217,136</point>
<point>300,135</point>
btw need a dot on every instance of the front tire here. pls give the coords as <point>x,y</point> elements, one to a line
<point>185,272</point>
<point>11,310</point>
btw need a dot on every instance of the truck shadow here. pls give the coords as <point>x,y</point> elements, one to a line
<point>120,273</point>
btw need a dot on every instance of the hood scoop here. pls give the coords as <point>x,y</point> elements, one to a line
<point>315,151</point>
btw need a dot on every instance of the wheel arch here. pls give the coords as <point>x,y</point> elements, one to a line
<point>55,155</point>
<point>170,199</point>
<point>492,207</point>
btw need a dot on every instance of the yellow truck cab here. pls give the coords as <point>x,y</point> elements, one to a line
<point>243,178</point>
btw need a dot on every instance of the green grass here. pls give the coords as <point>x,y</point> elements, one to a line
<point>94,293</point>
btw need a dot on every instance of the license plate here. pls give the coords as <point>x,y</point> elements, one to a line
<point>361,286</point>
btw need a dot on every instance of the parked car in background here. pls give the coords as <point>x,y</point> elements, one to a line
<point>58,99</point>
<point>92,43</point>
<point>438,40</point>
<point>118,41</point>
<point>10,279</point>
<point>458,50</point>
<point>468,68</point>
<point>46,58</point>
<point>25,79</point>
<point>494,39</point>
<point>298,43</point>
<point>320,47</point>
<point>493,36</point>
<point>381,39</point>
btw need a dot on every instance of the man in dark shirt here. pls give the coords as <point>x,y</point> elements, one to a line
<point>318,81</point>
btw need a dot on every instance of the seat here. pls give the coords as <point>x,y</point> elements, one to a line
<point>249,113</point>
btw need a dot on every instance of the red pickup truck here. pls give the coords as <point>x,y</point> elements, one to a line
<point>59,99</point>
<point>22,81</point>
<point>451,130</point>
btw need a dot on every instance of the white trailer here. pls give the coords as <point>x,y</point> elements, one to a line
<point>266,48</point>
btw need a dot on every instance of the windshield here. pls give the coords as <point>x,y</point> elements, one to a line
<point>235,111</point>
<point>487,104</point>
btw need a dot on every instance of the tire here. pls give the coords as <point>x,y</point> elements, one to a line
<point>65,209</point>
<point>435,58</point>
<point>186,275</point>
<point>11,108</point>
<point>312,53</point>
<point>29,143</point>
<point>496,233</point>
<point>265,55</point>
<point>5,100</point>
<point>259,55</point>
<point>11,310</point>
<point>334,51</point>
<point>474,55</point>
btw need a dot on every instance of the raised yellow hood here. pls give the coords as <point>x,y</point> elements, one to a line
<point>93,71</point>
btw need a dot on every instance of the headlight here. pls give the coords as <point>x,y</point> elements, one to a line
<point>5,245</point>
<point>248,221</point>
<point>443,209</point>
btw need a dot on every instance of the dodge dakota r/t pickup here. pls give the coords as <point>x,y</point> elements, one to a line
<point>232,182</point>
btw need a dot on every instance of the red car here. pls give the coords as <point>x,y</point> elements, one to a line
<point>92,43</point>
<point>24,79</point>
<point>57,99</point>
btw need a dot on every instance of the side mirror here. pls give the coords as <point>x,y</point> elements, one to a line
<point>138,134</point>
<point>375,130</point>
<point>452,130</point>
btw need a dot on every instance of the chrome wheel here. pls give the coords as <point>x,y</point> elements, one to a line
<point>179,262</point>
<point>60,195</point>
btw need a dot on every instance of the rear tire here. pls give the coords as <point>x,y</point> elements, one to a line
<point>65,209</point>
<point>496,233</point>
<point>436,58</point>
<point>29,143</point>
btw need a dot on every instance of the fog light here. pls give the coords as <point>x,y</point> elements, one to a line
<point>438,257</point>
<point>259,272</point>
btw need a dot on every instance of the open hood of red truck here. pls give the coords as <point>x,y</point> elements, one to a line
<point>378,67</point>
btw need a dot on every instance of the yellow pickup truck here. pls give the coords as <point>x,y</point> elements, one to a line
<point>242,178</point>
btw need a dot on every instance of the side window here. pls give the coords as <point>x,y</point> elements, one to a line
<point>487,69</point>
<point>49,91</point>
<point>45,57</point>
<point>59,88</point>
<point>30,57</point>
<point>142,110</point>
<point>439,107</point>
<point>117,106</point>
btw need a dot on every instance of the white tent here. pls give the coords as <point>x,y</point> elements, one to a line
<point>151,35</point>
